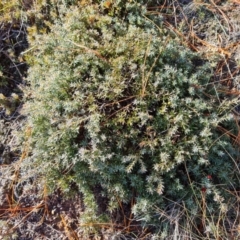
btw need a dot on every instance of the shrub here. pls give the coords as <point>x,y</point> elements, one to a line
<point>114,101</point>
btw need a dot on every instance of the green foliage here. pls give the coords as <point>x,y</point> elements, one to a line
<point>3,81</point>
<point>10,104</point>
<point>10,10</point>
<point>114,101</point>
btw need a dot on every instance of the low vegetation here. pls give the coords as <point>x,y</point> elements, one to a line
<point>126,123</point>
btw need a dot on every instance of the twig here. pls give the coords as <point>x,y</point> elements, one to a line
<point>89,50</point>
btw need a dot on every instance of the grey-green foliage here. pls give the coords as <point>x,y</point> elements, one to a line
<point>116,101</point>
